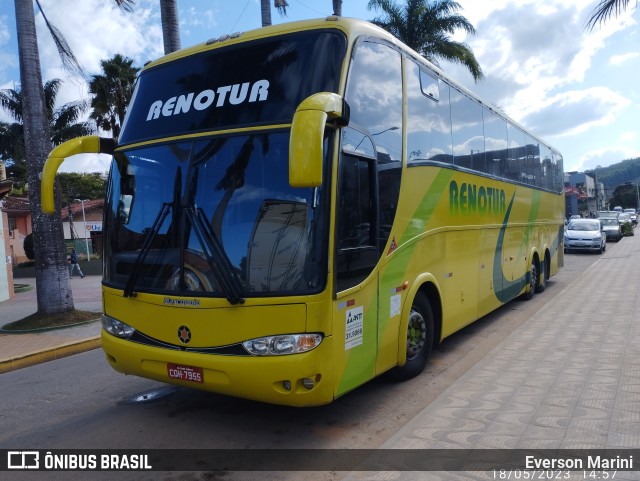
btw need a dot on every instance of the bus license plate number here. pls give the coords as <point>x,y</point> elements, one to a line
<point>185,373</point>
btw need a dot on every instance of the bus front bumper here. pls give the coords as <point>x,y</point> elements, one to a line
<point>293,380</point>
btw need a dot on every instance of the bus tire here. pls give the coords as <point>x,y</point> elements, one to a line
<point>420,336</point>
<point>533,281</point>
<point>542,278</point>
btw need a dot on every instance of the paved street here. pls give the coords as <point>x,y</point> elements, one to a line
<point>568,378</point>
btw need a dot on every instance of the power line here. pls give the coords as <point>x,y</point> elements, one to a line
<point>241,14</point>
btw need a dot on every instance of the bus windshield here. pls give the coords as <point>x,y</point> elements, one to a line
<point>214,215</point>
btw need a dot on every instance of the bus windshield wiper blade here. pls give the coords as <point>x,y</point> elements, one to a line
<point>146,247</point>
<point>216,257</point>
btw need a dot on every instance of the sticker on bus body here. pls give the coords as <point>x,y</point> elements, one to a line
<point>395,305</point>
<point>354,327</point>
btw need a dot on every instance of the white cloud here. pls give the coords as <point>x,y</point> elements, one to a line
<point>602,157</point>
<point>105,30</point>
<point>5,34</point>
<point>629,136</point>
<point>574,112</point>
<point>87,163</point>
<point>8,61</point>
<point>620,59</point>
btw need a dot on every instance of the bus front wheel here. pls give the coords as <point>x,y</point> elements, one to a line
<point>420,333</point>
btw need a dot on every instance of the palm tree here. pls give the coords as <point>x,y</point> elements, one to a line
<point>426,26</point>
<point>265,10</point>
<point>63,125</point>
<point>605,10</point>
<point>112,92</point>
<point>170,25</point>
<point>53,286</point>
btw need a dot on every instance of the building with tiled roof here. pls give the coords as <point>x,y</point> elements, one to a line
<point>79,232</point>
<point>16,208</point>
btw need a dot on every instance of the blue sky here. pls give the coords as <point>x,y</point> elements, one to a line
<point>579,91</point>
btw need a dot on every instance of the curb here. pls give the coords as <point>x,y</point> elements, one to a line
<point>49,355</point>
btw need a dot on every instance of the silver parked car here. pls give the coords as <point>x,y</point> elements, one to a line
<point>585,235</point>
<point>611,228</point>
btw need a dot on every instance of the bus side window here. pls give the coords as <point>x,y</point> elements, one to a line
<point>495,139</point>
<point>374,92</point>
<point>428,117</point>
<point>467,131</point>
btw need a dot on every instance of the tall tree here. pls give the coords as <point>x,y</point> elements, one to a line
<point>605,10</point>
<point>53,287</point>
<point>265,10</point>
<point>426,26</point>
<point>112,92</point>
<point>64,124</point>
<point>337,7</point>
<point>170,25</point>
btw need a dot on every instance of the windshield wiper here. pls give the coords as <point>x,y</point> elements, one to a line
<point>216,257</point>
<point>146,247</point>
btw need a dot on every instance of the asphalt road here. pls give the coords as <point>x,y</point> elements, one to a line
<point>79,402</point>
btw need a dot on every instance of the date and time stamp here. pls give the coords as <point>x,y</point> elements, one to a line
<point>520,474</point>
<point>569,468</point>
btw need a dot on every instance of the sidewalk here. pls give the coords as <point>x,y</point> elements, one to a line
<point>568,378</point>
<point>26,349</point>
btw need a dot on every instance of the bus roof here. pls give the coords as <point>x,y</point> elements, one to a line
<point>354,28</point>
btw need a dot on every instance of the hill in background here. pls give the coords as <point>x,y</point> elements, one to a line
<point>617,174</point>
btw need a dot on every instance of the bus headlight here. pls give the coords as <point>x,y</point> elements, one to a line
<point>283,344</point>
<point>116,327</point>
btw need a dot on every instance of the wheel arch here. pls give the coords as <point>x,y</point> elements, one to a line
<point>428,286</point>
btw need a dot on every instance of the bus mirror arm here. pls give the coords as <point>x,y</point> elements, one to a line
<point>307,136</point>
<point>90,144</point>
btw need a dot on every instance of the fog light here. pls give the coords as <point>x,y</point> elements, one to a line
<point>308,383</point>
<point>286,385</point>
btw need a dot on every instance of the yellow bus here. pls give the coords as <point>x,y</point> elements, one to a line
<point>295,210</point>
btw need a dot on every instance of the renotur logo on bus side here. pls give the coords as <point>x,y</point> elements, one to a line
<point>233,94</point>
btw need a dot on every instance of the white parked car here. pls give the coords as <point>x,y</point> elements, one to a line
<point>585,235</point>
<point>632,213</point>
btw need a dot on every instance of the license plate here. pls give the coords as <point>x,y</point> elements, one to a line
<point>185,373</point>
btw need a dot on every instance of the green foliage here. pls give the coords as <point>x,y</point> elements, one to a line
<point>28,247</point>
<point>82,186</point>
<point>112,91</point>
<point>64,124</point>
<point>627,228</point>
<point>427,27</point>
<point>615,177</point>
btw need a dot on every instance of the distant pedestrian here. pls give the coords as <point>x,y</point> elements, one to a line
<point>73,258</point>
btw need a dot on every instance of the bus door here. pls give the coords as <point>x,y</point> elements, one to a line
<point>356,255</point>
<point>368,188</point>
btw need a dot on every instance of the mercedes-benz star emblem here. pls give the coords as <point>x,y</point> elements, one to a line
<point>184,334</point>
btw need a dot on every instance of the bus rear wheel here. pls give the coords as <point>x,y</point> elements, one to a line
<point>533,281</point>
<point>420,334</point>
<point>543,276</point>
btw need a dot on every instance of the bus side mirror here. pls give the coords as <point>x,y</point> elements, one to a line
<point>90,144</point>
<point>307,136</point>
